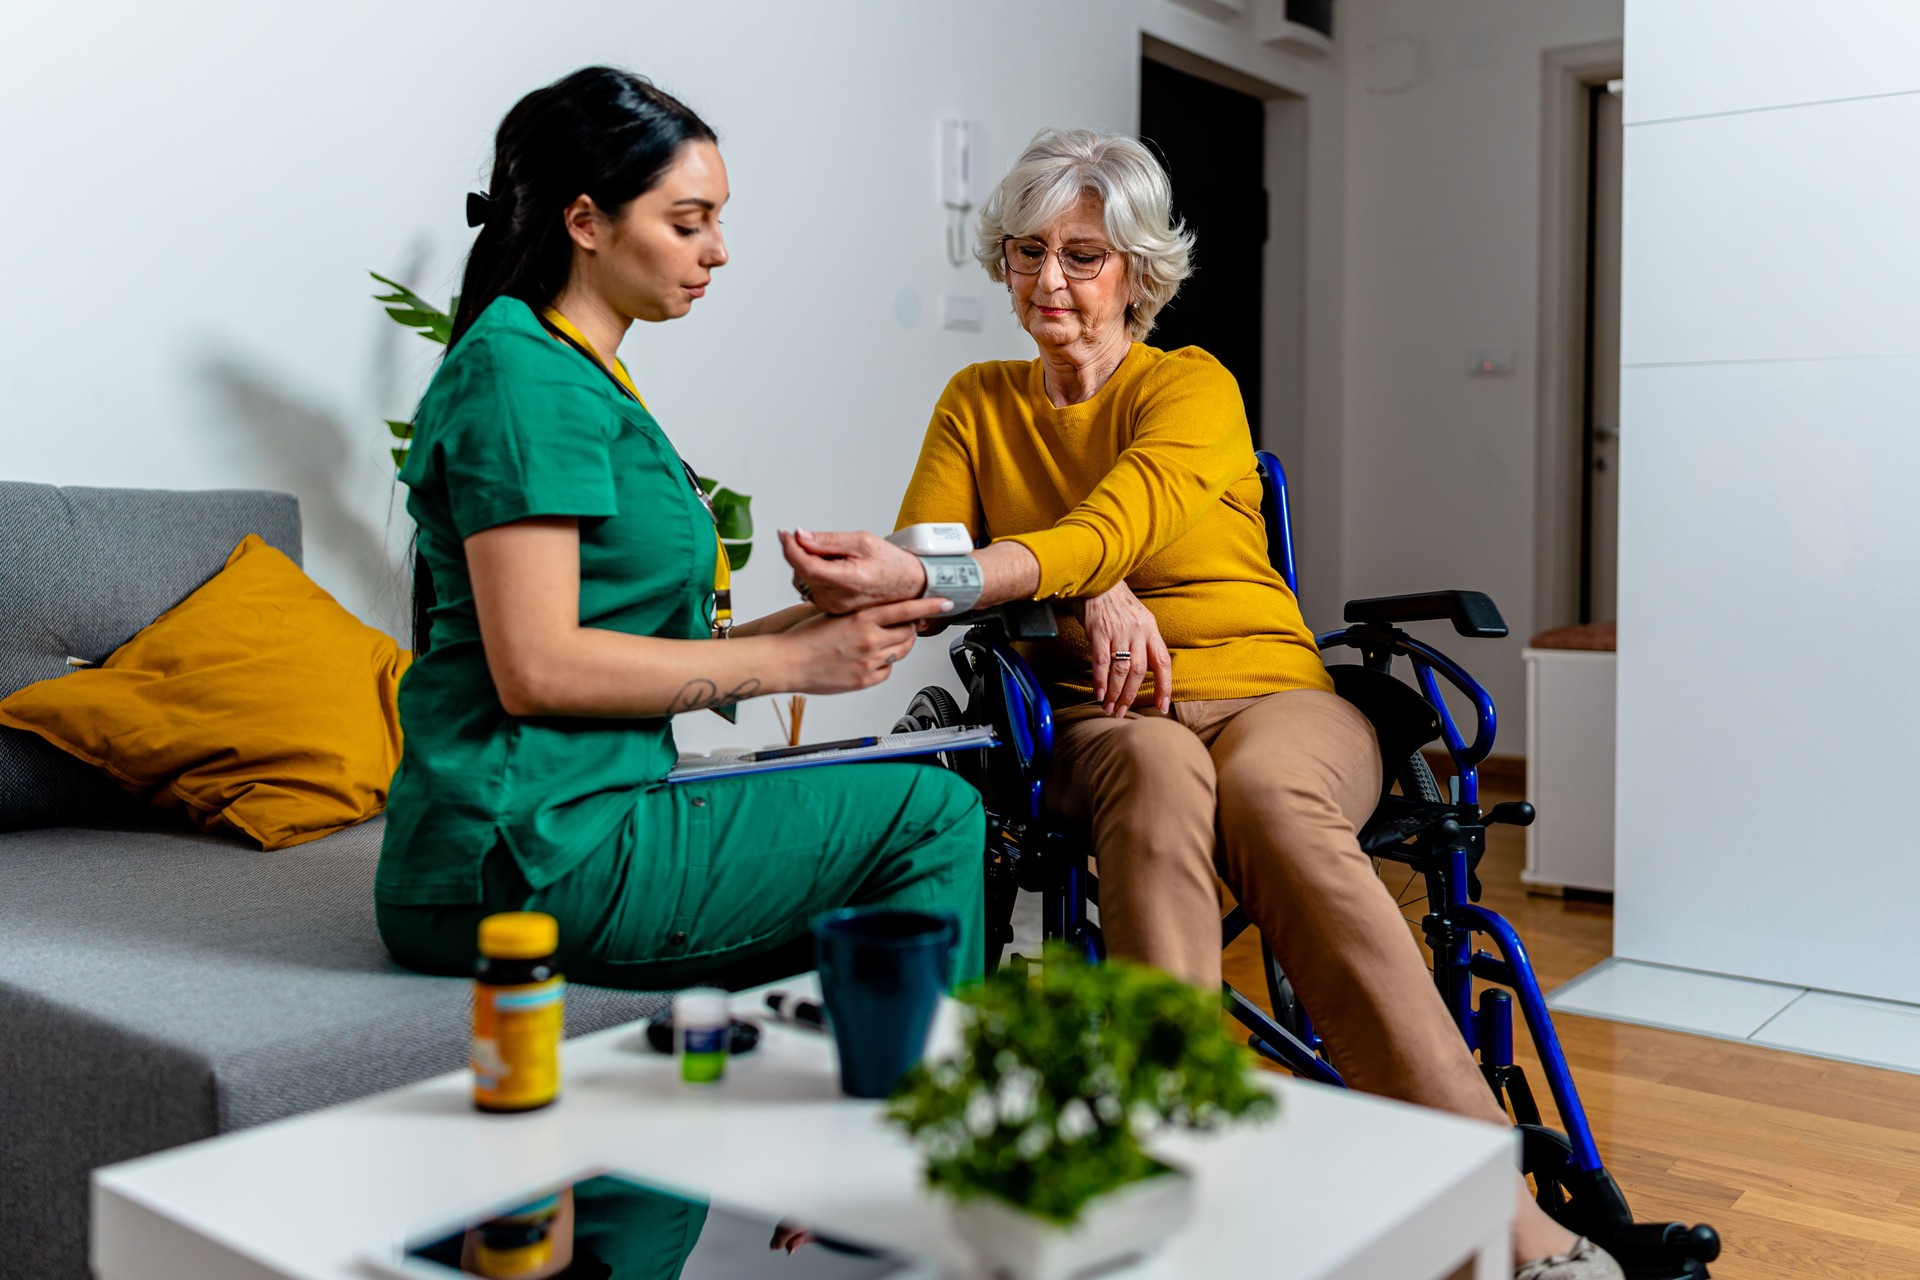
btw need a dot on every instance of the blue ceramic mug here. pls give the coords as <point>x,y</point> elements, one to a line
<point>882,973</point>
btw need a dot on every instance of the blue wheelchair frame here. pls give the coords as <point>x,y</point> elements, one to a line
<point>1441,838</point>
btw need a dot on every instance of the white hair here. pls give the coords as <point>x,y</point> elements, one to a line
<point>1057,167</point>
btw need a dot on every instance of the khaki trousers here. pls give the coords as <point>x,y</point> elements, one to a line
<point>1266,792</point>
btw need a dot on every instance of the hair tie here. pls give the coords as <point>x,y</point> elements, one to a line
<point>480,208</point>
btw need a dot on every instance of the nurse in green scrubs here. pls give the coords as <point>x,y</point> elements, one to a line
<point>574,570</point>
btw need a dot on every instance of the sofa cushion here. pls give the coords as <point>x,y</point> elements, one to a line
<point>157,987</point>
<point>83,569</point>
<point>257,705</point>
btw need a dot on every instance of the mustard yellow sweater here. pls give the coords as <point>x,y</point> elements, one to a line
<point>1151,481</point>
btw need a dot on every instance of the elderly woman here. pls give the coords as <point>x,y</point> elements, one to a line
<point>1203,733</point>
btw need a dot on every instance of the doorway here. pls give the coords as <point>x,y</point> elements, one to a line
<point>1600,424</point>
<point>1213,140</point>
<point>1577,454</point>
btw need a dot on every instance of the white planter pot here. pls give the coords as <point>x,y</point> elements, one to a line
<point>1132,1221</point>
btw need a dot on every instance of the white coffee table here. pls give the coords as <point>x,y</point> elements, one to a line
<point>1340,1186</point>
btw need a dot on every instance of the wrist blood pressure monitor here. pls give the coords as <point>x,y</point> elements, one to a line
<point>944,549</point>
<point>933,539</point>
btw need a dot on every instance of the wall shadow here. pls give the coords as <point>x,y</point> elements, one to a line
<point>309,452</point>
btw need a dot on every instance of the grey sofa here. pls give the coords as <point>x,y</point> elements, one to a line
<point>158,985</point>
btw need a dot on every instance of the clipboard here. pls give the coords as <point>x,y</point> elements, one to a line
<point>890,746</point>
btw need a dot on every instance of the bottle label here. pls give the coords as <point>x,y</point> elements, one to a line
<point>516,1043</point>
<point>703,1053</point>
<point>706,1039</point>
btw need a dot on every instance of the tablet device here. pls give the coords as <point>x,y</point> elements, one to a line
<point>605,1225</point>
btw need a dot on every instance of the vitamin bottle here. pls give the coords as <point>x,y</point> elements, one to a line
<point>517,1010</point>
<point>701,1019</point>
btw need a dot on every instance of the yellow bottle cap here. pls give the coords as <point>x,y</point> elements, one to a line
<point>519,935</point>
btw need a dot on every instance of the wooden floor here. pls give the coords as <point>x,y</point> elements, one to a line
<point>1807,1168</point>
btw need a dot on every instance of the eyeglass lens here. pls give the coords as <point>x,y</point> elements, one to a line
<point>1077,261</point>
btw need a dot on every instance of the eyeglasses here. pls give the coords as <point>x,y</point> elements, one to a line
<point>1026,256</point>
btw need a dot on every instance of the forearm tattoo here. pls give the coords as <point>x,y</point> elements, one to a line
<point>701,694</point>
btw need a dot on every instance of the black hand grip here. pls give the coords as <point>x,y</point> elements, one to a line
<point>1663,1244</point>
<point>1513,813</point>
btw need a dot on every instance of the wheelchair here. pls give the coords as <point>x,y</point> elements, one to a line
<point>1438,833</point>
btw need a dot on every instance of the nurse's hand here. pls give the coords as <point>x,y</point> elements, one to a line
<point>841,572</point>
<point>837,654</point>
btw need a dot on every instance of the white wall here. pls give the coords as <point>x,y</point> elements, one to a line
<point>1442,214</point>
<point>1770,572</point>
<point>195,193</point>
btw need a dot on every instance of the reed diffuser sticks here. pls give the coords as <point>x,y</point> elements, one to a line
<point>790,717</point>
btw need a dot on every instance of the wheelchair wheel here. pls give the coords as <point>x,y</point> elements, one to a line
<point>931,708</point>
<point>934,708</point>
<point>1417,781</point>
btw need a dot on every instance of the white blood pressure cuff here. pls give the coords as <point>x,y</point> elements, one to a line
<point>955,578</point>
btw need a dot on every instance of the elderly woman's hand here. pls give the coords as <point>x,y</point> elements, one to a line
<point>1126,643</point>
<point>842,572</point>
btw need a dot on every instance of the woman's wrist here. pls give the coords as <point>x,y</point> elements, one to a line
<point>784,663</point>
<point>1009,571</point>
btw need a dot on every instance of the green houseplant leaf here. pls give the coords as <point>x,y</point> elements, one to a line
<point>733,518</point>
<point>415,312</point>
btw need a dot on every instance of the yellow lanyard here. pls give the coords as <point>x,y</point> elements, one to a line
<point>563,329</point>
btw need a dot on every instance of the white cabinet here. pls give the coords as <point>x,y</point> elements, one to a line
<point>1570,768</point>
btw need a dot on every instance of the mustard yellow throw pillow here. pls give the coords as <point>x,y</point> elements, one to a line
<point>257,705</point>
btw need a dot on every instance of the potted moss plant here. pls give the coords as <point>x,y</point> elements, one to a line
<point>1035,1127</point>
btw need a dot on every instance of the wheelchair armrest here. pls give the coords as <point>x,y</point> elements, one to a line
<point>1016,620</point>
<point>1471,613</point>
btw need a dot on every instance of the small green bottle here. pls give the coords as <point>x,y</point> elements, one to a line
<point>700,1020</point>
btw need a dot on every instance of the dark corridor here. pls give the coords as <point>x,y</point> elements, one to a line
<point>1213,140</point>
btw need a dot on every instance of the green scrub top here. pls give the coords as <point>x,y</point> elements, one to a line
<point>515,425</point>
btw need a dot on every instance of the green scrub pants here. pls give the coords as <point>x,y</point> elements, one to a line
<point>718,881</point>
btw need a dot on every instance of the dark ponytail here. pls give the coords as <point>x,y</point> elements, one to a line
<point>599,132</point>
